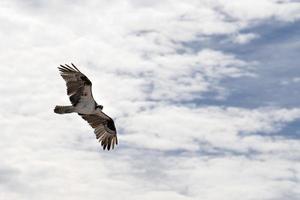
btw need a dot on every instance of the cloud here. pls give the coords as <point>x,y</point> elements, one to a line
<point>248,10</point>
<point>209,128</point>
<point>152,66</point>
<point>244,38</point>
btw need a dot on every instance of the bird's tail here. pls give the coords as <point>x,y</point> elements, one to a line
<point>64,109</point>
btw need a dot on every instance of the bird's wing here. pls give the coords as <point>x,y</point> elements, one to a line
<point>77,83</point>
<point>104,129</point>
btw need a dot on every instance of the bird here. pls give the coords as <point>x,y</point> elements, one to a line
<point>79,90</point>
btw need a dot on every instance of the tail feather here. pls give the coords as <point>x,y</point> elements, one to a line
<point>63,109</point>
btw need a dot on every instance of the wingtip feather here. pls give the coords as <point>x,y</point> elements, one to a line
<point>67,68</point>
<point>75,67</point>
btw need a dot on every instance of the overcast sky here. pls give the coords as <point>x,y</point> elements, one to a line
<point>204,93</point>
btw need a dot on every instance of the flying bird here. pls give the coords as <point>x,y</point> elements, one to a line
<point>79,90</point>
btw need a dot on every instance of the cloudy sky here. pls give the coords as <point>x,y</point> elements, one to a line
<point>205,96</point>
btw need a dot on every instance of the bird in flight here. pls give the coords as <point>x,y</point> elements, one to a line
<point>79,90</point>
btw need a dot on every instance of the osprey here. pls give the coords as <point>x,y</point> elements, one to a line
<point>79,90</point>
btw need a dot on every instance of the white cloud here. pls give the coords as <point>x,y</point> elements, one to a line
<point>244,38</point>
<point>142,69</point>
<point>173,127</point>
<point>257,10</point>
<point>294,80</point>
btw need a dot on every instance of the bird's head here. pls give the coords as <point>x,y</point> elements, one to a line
<point>99,106</point>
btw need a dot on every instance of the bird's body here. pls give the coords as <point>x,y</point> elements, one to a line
<point>79,89</point>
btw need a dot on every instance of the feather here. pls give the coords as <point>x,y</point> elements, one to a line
<point>107,136</point>
<point>75,82</point>
<point>79,90</point>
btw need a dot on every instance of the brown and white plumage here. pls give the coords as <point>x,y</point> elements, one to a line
<point>103,129</point>
<point>79,89</point>
<point>77,83</point>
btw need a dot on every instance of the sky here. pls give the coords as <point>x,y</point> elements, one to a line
<point>204,94</point>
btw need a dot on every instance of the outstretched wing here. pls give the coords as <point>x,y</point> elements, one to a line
<point>104,129</point>
<point>77,83</point>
